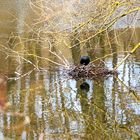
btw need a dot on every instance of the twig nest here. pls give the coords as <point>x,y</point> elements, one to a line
<point>89,71</point>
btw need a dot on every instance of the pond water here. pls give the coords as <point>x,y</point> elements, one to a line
<point>40,101</point>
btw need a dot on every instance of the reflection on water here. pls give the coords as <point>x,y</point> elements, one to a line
<point>63,108</point>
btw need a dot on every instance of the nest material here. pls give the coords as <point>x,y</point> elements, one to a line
<point>89,71</point>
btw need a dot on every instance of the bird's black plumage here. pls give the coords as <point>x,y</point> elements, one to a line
<point>85,60</point>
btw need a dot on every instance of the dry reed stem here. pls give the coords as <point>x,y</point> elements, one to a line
<point>112,22</point>
<point>131,91</point>
<point>130,53</point>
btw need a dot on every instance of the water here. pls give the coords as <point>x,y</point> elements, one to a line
<point>47,104</point>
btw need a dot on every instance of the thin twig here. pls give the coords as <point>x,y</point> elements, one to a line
<point>131,52</point>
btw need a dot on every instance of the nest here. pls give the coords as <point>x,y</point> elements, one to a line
<point>89,71</point>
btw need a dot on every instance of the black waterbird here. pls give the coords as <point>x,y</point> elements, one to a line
<point>85,60</point>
